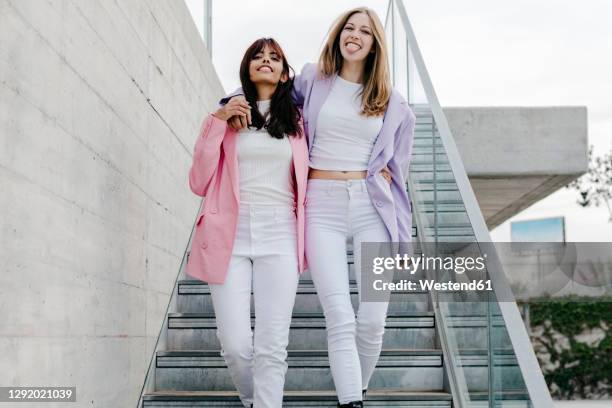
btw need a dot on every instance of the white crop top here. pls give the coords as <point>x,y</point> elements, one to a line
<point>265,165</point>
<point>343,137</point>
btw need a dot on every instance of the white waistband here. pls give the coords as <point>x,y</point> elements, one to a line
<point>266,208</point>
<point>331,184</point>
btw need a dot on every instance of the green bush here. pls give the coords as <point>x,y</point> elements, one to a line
<point>583,371</point>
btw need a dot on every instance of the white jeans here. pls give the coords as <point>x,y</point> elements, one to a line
<point>264,255</point>
<point>337,210</point>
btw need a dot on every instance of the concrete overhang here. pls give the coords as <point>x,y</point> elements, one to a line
<point>516,156</point>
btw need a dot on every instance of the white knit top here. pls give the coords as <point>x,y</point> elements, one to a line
<point>343,137</point>
<point>266,166</point>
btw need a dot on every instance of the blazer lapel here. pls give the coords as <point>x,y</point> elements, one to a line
<point>391,121</point>
<point>298,164</point>
<point>320,90</point>
<point>229,148</point>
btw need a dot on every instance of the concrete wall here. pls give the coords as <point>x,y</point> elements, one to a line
<point>100,105</point>
<point>516,156</point>
<point>548,140</point>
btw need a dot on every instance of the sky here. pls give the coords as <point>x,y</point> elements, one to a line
<point>477,52</point>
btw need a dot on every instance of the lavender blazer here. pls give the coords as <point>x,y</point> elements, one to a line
<point>392,148</point>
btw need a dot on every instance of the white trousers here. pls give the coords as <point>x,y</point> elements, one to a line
<point>336,211</point>
<point>264,256</point>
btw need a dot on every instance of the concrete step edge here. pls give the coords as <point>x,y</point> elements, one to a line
<point>325,395</point>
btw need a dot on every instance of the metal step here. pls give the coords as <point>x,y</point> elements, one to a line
<point>502,399</point>
<point>298,399</point>
<point>424,131</point>
<point>449,231</point>
<point>410,370</point>
<point>475,365</point>
<point>424,177</point>
<point>441,196</point>
<point>424,128</point>
<point>423,158</point>
<point>194,297</point>
<point>427,142</point>
<point>448,219</point>
<point>472,332</point>
<point>198,331</point>
<point>441,206</point>
<point>452,238</point>
<point>436,185</point>
<point>428,167</point>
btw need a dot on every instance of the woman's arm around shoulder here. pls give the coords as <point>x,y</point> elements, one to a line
<point>302,82</point>
<point>226,98</point>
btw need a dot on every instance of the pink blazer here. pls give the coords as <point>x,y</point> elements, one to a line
<point>214,175</point>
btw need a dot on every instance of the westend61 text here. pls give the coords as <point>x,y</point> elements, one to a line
<point>406,285</point>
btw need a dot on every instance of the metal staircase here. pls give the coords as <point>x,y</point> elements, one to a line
<point>192,372</point>
<point>439,350</point>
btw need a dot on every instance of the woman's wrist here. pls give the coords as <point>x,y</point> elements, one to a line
<point>220,114</point>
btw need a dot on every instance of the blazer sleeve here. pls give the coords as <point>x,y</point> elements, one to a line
<point>206,154</point>
<point>300,83</point>
<point>398,166</point>
<point>226,98</point>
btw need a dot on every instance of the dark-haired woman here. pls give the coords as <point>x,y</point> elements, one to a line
<point>250,232</point>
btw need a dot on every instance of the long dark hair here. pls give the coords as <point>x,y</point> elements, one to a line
<point>284,115</point>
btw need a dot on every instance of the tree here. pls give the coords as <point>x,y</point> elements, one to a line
<point>595,186</point>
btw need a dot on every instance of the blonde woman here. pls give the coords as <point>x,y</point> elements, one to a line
<point>360,133</point>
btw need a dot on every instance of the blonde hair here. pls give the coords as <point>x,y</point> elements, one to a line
<point>376,80</point>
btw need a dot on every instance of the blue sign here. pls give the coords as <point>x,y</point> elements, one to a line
<point>541,230</point>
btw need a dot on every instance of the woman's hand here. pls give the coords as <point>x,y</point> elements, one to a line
<point>236,108</point>
<point>386,173</point>
<point>238,122</point>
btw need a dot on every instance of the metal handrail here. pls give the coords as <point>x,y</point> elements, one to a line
<point>529,366</point>
<point>160,343</point>
<point>457,383</point>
